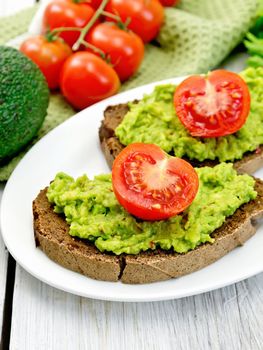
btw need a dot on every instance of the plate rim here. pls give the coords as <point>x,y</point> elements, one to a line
<point>165,296</point>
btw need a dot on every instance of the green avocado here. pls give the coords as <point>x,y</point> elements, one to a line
<point>24,99</point>
<point>153,120</point>
<point>93,212</point>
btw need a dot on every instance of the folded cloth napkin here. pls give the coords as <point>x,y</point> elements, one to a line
<point>196,37</point>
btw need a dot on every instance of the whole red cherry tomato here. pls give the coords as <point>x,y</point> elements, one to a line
<point>169,2</point>
<point>48,55</point>
<point>86,79</point>
<point>124,48</point>
<point>146,16</point>
<point>67,13</point>
<point>214,105</point>
<point>152,185</point>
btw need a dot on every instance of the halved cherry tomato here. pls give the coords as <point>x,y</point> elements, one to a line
<point>124,48</point>
<point>146,17</point>
<point>67,13</point>
<point>48,55</point>
<point>152,185</point>
<point>169,2</point>
<point>86,79</point>
<point>214,105</point>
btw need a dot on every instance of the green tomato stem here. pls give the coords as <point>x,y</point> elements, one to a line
<point>94,48</point>
<point>111,15</point>
<point>53,35</point>
<point>80,1</point>
<point>122,25</point>
<point>65,29</point>
<point>85,30</point>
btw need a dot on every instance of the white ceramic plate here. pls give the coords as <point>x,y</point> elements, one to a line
<point>73,147</point>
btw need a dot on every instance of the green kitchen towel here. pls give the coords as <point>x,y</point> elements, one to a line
<point>196,37</point>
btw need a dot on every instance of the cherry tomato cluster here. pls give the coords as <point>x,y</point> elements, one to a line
<point>88,47</point>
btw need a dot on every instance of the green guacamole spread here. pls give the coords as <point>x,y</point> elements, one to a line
<point>153,120</point>
<point>93,212</point>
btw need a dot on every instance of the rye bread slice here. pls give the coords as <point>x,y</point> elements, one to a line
<point>51,235</point>
<point>111,146</point>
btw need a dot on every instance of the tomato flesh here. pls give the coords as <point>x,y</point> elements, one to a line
<point>212,106</point>
<point>151,185</point>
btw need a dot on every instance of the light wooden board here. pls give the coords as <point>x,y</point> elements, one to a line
<point>46,318</point>
<point>3,269</point>
<point>7,7</point>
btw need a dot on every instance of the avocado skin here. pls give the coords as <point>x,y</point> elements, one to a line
<point>24,97</point>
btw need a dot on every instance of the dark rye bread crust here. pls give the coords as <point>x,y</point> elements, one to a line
<point>111,146</point>
<point>51,235</point>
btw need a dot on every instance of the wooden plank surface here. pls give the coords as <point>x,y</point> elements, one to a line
<point>46,318</point>
<point>6,8</point>
<point>3,269</point>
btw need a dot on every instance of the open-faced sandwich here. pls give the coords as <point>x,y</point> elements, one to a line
<point>205,120</point>
<point>155,218</point>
